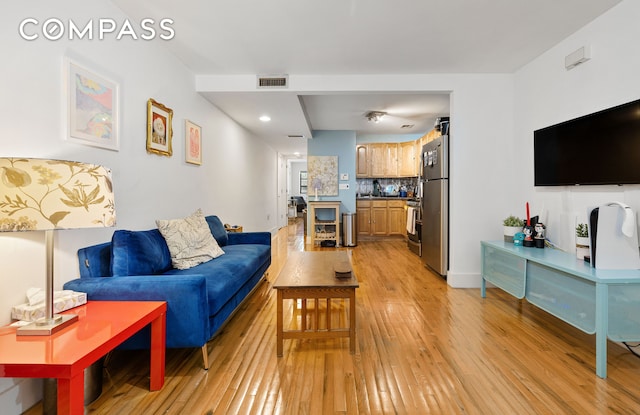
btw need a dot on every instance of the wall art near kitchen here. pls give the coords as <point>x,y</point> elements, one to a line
<point>323,175</point>
<point>159,130</point>
<point>193,142</point>
<point>92,107</point>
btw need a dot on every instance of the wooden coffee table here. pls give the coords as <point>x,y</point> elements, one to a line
<point>310,275</point>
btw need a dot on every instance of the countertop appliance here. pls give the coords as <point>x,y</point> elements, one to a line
<point>435,205</point>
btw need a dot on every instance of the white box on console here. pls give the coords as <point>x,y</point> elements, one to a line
<point>28,312</point>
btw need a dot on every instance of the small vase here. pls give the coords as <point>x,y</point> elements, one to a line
<point>582,247</point>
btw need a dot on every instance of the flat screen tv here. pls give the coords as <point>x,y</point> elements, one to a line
<point>602,148</point>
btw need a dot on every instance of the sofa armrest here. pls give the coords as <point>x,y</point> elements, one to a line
<point>260,238</point>
<point>186,297</point>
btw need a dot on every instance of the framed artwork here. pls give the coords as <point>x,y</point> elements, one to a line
<point>159,129</point>
<point>323,175</point>
<point>192,142</point>
<point>92,107</point>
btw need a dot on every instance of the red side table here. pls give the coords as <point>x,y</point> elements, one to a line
<point>101,327</point>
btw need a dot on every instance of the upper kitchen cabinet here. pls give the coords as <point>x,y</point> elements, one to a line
<point>388,160</point>
<point>377,160</point>
<point>407,153</point>
<point>382,160</point>
<point>363,161</point>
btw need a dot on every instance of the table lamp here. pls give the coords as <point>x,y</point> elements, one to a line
<point>47,195</point>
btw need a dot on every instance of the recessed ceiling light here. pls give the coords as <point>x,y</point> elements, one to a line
<point>265,118</point>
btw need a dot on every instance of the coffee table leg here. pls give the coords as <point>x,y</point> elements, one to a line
<point>279,327</point>
<point>352,321</point>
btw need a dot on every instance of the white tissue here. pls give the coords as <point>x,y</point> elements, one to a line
<point>37,295</point>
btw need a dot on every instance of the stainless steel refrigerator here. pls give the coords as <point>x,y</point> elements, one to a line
<point>435,205</point>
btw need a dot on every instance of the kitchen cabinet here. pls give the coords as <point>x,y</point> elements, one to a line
<point>381,217</point>
<point>397,217</point>
<point>388,160</point>
<point>324,221</point>
<point>363,161</point>
<point>391,160</point>
<point>363,213</point>
<point>407,166</point>
<point>378,159</point>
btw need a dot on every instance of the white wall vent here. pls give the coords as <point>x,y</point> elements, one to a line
<point>273,81</point>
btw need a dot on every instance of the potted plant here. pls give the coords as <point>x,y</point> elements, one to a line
<point>582,240</point>
<point>512,225</point>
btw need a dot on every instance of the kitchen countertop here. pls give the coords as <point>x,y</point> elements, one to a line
<point>383,198</point>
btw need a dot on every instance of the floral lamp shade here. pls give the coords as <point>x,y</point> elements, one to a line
<point>39,194</point>
<point>47,195</point>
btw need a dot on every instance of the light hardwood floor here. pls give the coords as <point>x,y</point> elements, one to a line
<point>422,348</point>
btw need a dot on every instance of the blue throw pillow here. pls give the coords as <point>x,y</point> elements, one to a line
<point>139,253</point>
<point>217,230</point>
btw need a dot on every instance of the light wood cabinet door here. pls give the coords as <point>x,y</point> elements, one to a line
<point>378,159</point>
<point>363,161</point>
<point>407,159</point>
<point>397,220</point>
<point>379,218</point>
<point>417,163</point>
<point>391,160</point>
<point>364,220</point>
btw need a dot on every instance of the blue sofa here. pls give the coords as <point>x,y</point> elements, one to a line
<point>136,266</point>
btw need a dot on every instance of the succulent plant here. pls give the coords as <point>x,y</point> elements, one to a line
<point>582,231</point>
<point>513,221</point>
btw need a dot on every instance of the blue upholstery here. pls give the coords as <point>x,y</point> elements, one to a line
<point>217,230</point>
<point>139,253</point>
<point>133,267</point>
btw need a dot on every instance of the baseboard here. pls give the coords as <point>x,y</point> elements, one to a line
<point>464,280</point>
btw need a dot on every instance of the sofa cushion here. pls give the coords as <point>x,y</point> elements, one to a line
<point>139,253</point>
<point>217,230</point>
<point>228,273</point>
<point>189,240</point>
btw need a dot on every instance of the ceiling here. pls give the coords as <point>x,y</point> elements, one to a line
<point>355,37</point>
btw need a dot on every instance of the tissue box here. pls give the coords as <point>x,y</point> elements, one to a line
<point>28,312</point>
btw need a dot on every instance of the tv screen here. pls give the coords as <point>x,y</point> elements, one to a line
<point>596,149</point>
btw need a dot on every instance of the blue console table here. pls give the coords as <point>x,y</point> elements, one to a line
<point>601,302</point>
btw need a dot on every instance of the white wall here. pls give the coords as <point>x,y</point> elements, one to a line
<point>546,93</point>
<point>236,180</point>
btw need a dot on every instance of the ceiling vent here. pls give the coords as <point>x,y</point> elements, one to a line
<point>273,81</point>
<point>299,136</point>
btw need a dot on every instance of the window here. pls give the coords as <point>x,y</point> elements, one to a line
<point>303,182</point>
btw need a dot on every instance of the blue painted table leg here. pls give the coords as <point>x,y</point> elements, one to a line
<point>602,317</point>
<point>483,287</point>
